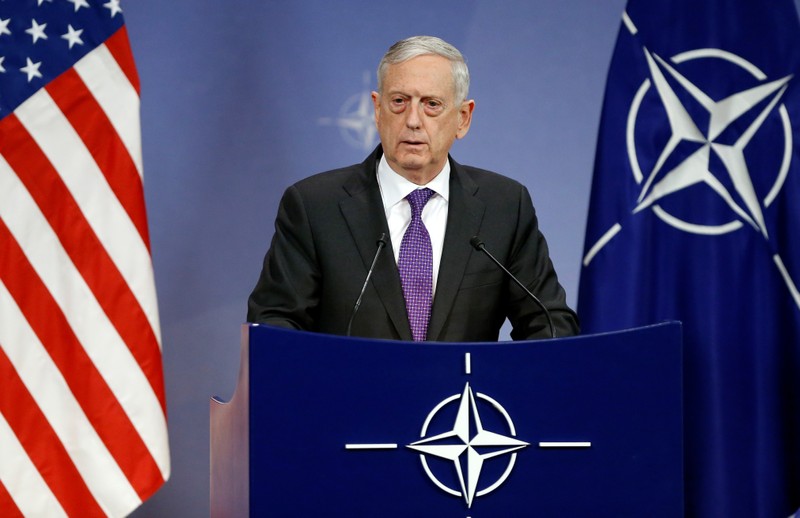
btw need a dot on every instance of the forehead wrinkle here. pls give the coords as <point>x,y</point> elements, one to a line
<point>401,79</point>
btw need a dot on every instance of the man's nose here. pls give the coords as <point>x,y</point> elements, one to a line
<point>413,120</point>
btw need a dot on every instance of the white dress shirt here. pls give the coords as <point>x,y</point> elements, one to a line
<point>394,188</point>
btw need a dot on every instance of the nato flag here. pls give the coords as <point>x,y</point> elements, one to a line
<point>695,216</point>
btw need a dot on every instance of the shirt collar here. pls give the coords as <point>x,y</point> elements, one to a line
<point>395,187</point>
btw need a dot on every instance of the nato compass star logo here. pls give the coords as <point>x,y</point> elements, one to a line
<point>703,141</point>
<point>356,120</point>
<point>467,444</point>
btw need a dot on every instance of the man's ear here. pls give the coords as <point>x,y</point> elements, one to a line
<point>376,102</point>
<point>464,118</point>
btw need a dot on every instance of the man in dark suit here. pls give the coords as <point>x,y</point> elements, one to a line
<point>429,283</point>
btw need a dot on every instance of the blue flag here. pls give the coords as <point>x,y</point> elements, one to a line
<point>695,216</point>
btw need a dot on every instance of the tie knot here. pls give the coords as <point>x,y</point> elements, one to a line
<point>417,199</point>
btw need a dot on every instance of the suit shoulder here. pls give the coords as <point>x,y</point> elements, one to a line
<point>330,185</point>
<point>486,179</point>
<point>327,179</point>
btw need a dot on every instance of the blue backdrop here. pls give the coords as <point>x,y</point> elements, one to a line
<point>242,98</point>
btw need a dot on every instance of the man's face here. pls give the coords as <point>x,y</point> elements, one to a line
<point>417,116</point>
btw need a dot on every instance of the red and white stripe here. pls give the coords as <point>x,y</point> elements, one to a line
<point>83,428</point>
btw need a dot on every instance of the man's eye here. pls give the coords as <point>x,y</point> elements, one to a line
<point>397,104</point>
<point>433,107</point>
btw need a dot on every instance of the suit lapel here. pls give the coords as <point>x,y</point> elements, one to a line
<point>363,211</point>
<point>464,216</point>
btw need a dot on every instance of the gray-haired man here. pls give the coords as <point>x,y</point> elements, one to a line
<point>432,285</point>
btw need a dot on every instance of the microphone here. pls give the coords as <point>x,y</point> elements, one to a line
<point>478,245</point>
<point>381,243</point>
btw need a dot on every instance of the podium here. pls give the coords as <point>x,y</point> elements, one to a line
<point>323,425</point>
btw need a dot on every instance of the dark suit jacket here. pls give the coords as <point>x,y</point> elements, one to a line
<point>326,235</point>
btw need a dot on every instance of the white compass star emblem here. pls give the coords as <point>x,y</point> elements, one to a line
<point>356,120</point>
<point>719,130</point>
<point>467,443</point>
<point>695,168</point>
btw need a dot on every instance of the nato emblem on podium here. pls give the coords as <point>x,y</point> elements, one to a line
<point>580,426</point>
<point>460,446</point>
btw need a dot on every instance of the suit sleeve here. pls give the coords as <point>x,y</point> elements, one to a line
<point>530,262</point>
<point>288,290</point>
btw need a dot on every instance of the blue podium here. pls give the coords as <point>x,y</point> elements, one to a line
<point>324,425</point>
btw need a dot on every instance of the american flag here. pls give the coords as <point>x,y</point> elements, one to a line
<point>83,428</point>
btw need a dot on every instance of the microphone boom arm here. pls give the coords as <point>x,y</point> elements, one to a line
<point>381,243</point>
<point>478,245</point>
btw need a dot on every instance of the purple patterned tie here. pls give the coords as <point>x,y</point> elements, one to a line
<point>416,266</point>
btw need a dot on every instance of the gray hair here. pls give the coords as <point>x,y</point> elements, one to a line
<point>415,46</point>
